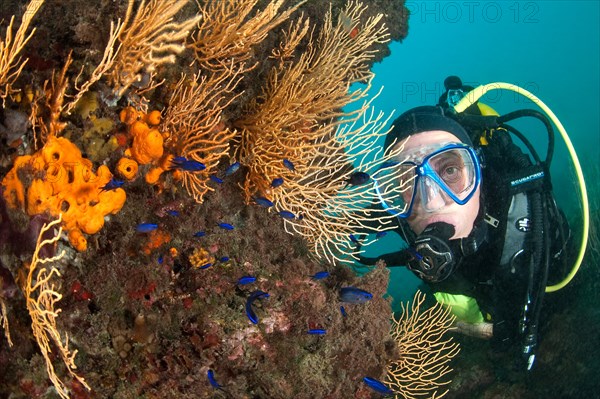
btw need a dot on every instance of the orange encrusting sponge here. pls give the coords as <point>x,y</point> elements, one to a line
<point>57,179</point>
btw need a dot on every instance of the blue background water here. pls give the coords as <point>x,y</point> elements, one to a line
<point>550,48</point>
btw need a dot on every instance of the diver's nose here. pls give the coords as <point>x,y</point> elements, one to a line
<point>431,195</point>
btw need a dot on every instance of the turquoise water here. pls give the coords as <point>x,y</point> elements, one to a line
<point>550,48</point>
<point>514,42</point>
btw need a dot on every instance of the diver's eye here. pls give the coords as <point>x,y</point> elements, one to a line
<point>451,173</point>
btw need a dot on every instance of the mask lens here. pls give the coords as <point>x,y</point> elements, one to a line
<point>449,173</point>
<point>455,171</point>
<point>429,194</point>
<point>395,186</point>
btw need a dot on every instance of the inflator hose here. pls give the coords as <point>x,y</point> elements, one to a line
<point>475,94</point>
<point>542,118</point>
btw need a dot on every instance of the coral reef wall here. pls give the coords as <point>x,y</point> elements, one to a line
<point>155,302</point>
<point>153,325</point>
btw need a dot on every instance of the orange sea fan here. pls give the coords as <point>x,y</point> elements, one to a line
<point>227,34</point>
<point>198,132</point>
<point>425,350</point>
<point>300,117</point>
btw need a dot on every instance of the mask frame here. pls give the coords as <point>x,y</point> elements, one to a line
<point>424,170</point>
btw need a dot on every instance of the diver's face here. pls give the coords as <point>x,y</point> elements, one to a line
<point>462,217</point>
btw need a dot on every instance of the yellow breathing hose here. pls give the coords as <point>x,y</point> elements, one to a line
<point>474,95</point>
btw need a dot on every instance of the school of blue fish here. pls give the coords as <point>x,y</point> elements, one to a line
<point>348,295</point>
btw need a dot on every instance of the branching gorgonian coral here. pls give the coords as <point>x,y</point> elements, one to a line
<point>299,118</point>
<point>42,297</point>
<point>147,39</point>
<point>222,45</point>
<point>194,120</point>
<point>424,351</point>
<point>4,317</point>
<point>11,64</point>
<point>55,92</point>
<point>225,34</point>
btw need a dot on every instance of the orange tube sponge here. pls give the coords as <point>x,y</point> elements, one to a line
<point>153,118</point>
<point>127,168</point>
<point>57,179</point>
<point>128,115</point>
<point>148,142</point>
<point>154,175</point>
<point>147,145</point>
<point>40,197</point>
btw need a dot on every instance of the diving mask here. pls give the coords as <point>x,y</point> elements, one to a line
<point>431,175</point>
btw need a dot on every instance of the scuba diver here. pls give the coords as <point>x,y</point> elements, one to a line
<point>478,215</point>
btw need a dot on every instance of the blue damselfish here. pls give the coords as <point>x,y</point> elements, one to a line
<point>211,379</point>
<point>378,386</point>
<point>246,280</point>
<point>112,185</point>
<point>354,295</point>
<point>231,169</point>
<point>320,275</point>
<point>226,226</point>
<point>278,181</point>
<point>189,165</point>
<point>146,227</point>
<point>249,311</point>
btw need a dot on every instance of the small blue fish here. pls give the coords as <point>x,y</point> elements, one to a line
<point>246,280</point>
<point>199,234</point>
<point>263,202</point>
<point>232,168</point>
<point>287,215</point>
<point>343,311</point>
<point>378,386</point>
<point>288,164</point>
<point>354,295</point>
<point>160,259</point>
<point>146,227</point>
<point>172,212</point>
<point>320,275</point>
<point>249,311</point>
<point>205,266</point>
<point>380,234</point>
<point>354,239</point>
<point>189,165</point>
<point>112,185</point>
<point>224,259</point>
<point>213,382</point>
<point>216,179</point>
<point>226,226</point>
<point>317,331</point>
<point>278,181</point>
<point>358,179</point>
